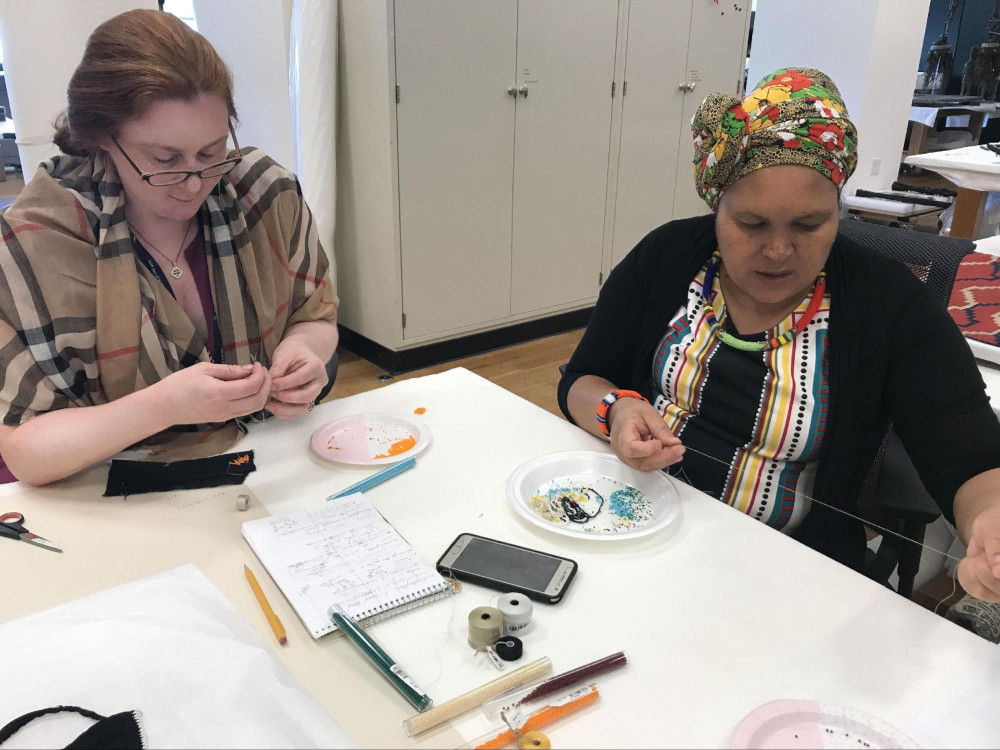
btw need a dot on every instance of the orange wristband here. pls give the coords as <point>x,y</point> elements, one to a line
<point>605,405</point>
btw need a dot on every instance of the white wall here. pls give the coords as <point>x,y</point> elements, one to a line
<point>871,52</point>
<point>252,37</point>
<point>43,42</point>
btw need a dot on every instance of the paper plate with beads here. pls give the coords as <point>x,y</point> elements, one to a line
<point>369,439</point>
<point>810,724</point>
<point>592,495</point>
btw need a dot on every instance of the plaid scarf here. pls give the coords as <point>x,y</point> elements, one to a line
<point>83,321</point>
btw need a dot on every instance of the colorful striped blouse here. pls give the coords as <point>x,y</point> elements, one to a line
<point>760,415</point>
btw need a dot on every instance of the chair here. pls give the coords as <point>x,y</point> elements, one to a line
<point>331,372</point>
<point>893,495</point>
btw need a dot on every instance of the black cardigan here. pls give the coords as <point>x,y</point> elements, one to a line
<point>895,355</point>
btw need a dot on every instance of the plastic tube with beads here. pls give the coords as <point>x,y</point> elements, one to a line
<point>476,697</point>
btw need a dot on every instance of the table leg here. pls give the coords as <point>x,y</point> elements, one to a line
<point>918,138</point>
<point>968,213</point>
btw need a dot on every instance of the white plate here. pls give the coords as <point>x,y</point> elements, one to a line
<point>610,499</point>
<point>369,439</point>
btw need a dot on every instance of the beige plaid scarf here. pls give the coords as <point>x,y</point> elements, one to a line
<point>83,321</point>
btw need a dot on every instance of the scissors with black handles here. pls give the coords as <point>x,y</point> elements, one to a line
<point>12,526</point>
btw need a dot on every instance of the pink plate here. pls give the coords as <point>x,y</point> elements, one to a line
<point>369,439</point>
<point>785,724</point>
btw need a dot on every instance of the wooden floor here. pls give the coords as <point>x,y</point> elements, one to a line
<point>530,370</point>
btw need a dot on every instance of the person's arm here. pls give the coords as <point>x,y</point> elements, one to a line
<point>638,435</point>
<point>940,411</point>
<point>603,363</point>
<point>977,519</point>
<point>298,367</point>
<point>59,443</point>
<point>299,362</point>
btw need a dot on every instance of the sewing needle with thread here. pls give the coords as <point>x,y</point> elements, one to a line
<point>838,510</point>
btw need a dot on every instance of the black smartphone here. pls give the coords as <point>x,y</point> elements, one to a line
<point>507,567</point>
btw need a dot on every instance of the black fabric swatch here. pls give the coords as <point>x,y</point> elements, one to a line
<point>110,732</point>
<point>138,477</point>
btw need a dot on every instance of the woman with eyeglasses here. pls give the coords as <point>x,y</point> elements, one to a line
<point>160,290</point>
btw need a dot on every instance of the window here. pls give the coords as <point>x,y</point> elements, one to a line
<point>183,9</point>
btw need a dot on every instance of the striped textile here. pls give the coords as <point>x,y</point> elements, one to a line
<point>975,298</point>
<point>762,413</point>
<point>83,322</point>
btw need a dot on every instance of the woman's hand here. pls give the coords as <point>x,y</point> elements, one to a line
<point>979,572</point>
<point>298,374</point>
<point>207,392</point>
<point>640,438</point>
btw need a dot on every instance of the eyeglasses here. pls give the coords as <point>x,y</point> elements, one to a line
<point>168,177</point>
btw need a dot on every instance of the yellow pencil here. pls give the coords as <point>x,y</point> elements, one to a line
<point>272,619</point>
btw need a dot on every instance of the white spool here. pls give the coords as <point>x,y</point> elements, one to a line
<point>516,611</point>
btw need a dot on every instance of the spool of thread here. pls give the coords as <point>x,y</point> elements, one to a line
<point>509,648</point>
<point>485,627</point>
<point>516,611</point>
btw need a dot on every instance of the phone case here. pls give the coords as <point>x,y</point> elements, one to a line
<point>538,596</point>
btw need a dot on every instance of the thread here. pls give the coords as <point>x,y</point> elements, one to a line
<point>476,697</point>
<point>866,522</point>
<point>485,627</point>
<point>516,610</point>
<point>509,648</point>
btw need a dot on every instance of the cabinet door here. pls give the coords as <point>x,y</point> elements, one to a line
<point>716,61</point>
<point>455,61</point>
<point>652,121</point>
<point>565,61</point>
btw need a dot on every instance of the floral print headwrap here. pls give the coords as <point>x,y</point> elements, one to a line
<point>794,116</point>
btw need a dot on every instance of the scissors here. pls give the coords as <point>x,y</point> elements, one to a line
<point>12,525</point>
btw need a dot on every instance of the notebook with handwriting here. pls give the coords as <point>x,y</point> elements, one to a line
<point>342,552</point>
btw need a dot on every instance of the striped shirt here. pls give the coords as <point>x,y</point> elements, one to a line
<point>760,415</point>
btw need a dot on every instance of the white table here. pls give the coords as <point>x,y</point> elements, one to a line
<point>976,171</point>
<point>718,614</point>
<point>925,118</point>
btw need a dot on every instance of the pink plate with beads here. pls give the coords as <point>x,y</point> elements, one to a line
<point>369,439</point>
<point>787,724</point>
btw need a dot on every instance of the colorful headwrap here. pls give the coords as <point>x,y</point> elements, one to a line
<point>795,116</point>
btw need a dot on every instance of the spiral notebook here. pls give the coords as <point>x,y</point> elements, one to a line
<point>343,552</point>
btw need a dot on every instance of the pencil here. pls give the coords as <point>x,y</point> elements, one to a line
<point>272,619</point>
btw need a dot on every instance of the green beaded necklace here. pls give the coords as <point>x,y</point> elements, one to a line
<point>774,342</point>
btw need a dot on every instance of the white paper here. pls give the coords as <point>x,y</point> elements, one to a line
<point>965,713</point>
<point>341,552</point>
<point>170,646</point>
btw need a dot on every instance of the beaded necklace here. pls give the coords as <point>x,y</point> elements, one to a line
<point>819,289</point>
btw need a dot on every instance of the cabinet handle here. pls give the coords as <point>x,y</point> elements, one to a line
<point>687,86</point>
<point>523,91</point>
<point>512,91</point>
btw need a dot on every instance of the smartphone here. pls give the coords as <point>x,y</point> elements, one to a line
<point>507,567</point>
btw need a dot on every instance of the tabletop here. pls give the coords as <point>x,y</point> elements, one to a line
<point>718,613</point>
<point>971,167</point>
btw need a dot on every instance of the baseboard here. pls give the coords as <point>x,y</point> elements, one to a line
<point>464,346</point>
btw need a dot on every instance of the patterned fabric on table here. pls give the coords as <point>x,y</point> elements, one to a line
<point>83,322</point>
<point>763,414</point>
<point>975,298</point>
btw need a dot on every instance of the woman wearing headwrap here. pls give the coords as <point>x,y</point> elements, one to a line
<point>779,351</point>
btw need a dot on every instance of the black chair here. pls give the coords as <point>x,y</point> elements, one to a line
<point>331,372</point>
<point>893,496</point>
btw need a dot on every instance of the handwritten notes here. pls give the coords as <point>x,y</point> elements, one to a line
<point>342,551</point>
